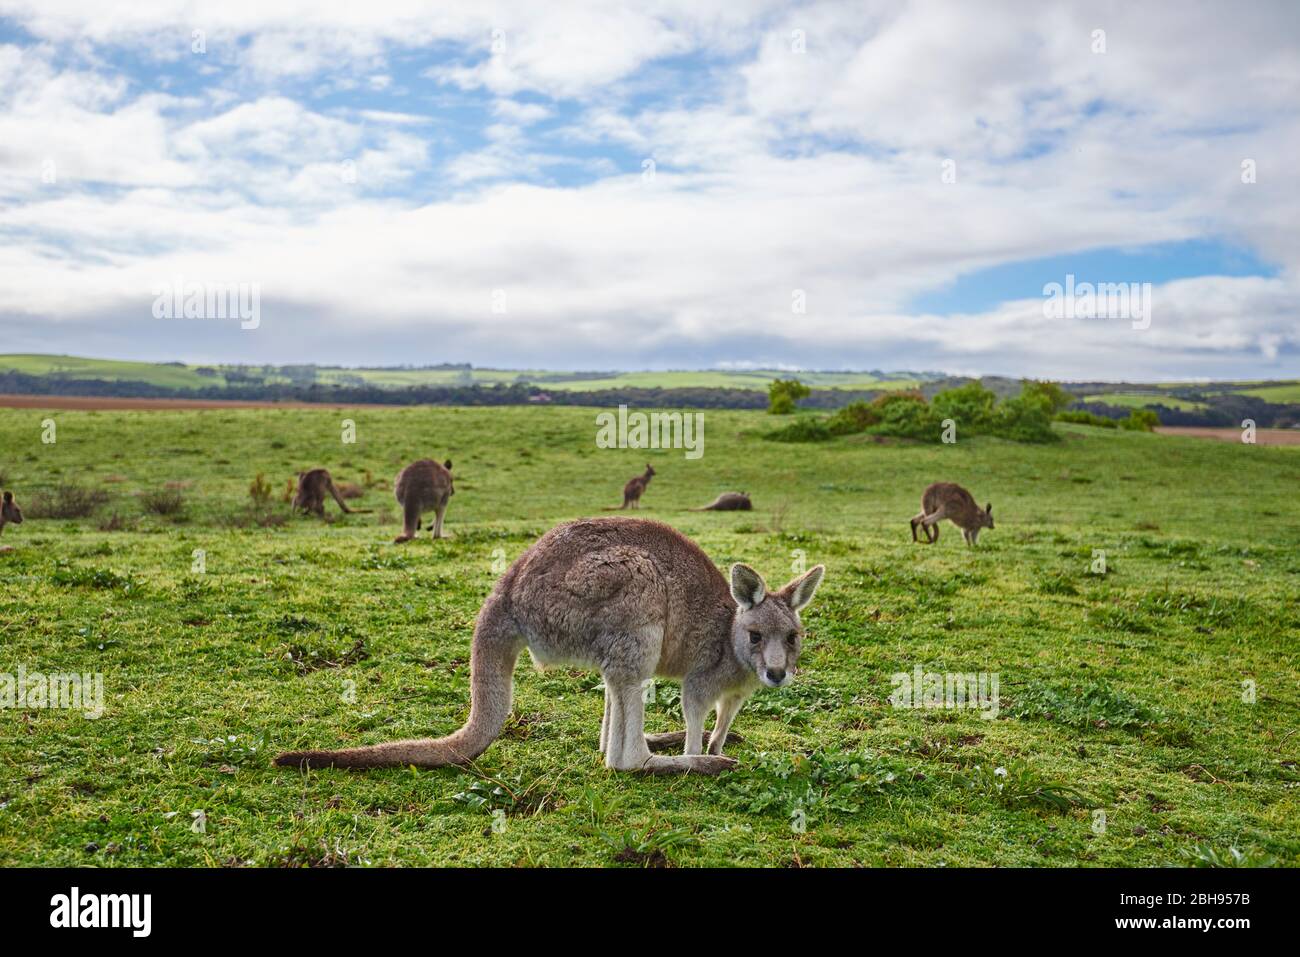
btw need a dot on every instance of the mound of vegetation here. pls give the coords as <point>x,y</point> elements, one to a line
<point>1138,420</point>
<point>966,410</point>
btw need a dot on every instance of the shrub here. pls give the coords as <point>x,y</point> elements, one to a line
<point>782,394</point>
<point>1084,417</point>
<point>906,414</point>
<point>66,501</point>
<point>802,429</point>
<point>1140,420</point>
<point>970,406</point>
<point>163,501</point>
<point>1051,392</point>
<point>854,417</point>
<point>1026,418</point>
<point>260,490</point>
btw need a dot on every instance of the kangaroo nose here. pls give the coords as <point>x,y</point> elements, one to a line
<point>776,675</point>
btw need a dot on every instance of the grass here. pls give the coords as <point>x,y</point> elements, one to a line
<point>178,376</point>
<point>1141,400</point>
<point>226,631</point>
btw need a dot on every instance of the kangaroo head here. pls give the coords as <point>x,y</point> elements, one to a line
<point>10,510</point>
<point>649,470</point>
<point>988,515</point>
<point>766,634</point>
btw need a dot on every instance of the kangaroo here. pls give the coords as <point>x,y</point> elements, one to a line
<point>9,513</point>
<point>312,487</point>
<point>422,486</point>
<point>948,500</point>
<point>633,490</point>
<point>728,502</point>
<point>633,599</point>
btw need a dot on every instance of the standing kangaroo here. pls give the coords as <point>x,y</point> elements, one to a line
<point>312,487</point>
<point>949,500</point>
<point>422,486</point>
<point>9,512</point>
<point>633,599</point>
<point>635,487</point>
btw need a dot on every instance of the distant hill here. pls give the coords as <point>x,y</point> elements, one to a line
<point>176,375</point>
<point>1267,403</point>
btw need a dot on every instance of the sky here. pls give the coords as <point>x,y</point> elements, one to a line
<point>617,185</point>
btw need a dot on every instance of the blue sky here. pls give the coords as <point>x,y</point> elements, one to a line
<point>822,185</point>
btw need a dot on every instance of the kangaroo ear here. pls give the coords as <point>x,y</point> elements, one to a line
<point>447,465</point>
<point>800,591</point>
<point>9,496</point>
<point>747,586</point>
<point>989,508</point>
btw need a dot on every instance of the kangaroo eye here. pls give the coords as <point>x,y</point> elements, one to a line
<point>755,637</point>
<point>791,638</point>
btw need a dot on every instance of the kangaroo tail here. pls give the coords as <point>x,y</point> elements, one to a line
<point>337,496</point>
<point>491,667</point>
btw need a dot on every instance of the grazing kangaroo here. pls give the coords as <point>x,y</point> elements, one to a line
<point>422,486</point>
<point>9,512</point>
<point>949,500</point>
<point>312,487</point>
<point>633,599</point>
<point>633,490</point>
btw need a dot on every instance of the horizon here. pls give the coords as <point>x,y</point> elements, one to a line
<point>844,370</point>
<point>784,186</point>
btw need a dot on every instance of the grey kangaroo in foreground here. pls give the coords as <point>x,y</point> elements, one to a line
<point>10,513</point>
<point>312,489</point>
<point>728,502</point>
<point>421,487</point>
<point>632,599</point>
<point>634,489</point>
<point>949,500</point>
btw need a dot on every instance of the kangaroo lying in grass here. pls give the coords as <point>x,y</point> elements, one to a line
<point>420,487</point>
<point>948,500</point>
<point>9,513</point>
<point>312,487</point>
<point>633,490</point>
<point>632,599</point>
<point>728,502</point>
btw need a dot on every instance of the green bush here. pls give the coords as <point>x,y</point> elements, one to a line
<point>970,406</point>
<point>802,429</point>
<point>854,417</point>
<point>1084,417</point>
<point>1140,420</point>
<point>782,394</point>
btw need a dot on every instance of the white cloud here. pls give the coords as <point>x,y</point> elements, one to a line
<point>776,170</point>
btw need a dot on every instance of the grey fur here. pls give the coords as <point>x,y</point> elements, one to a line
<point>632,599</point>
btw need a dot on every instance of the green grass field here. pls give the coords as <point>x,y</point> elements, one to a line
<point>1140,400</point>
<point>186,377</point>
<point>1120,694</point>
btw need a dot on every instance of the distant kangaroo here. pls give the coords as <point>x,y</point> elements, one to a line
<point>312,486</point>
<point>948,500</point>
<point>9,512</point>
<point>632,599</point>
<point>633,490</point>
<point>420,487</point>
<point>728,502</point>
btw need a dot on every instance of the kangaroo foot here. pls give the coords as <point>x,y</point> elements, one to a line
<point>675,740</point>
<point>688,764</point>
